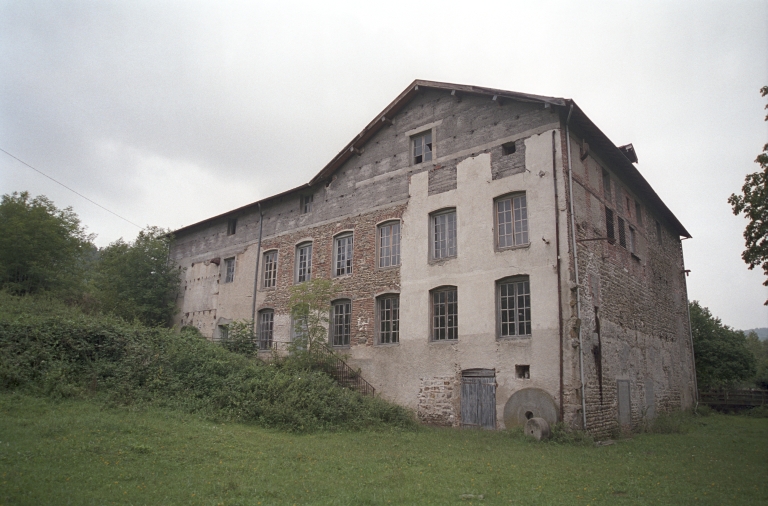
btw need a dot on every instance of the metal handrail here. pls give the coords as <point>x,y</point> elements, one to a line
<point>342,372</point>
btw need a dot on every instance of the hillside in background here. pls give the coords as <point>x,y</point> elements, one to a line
<point>762,333</point>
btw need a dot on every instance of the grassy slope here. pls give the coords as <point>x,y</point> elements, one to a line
<point>75,452</point>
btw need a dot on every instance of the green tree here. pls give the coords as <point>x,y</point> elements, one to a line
<point>760,350</point>
<point>42,248</point>
<point>722,357</point>
<point>753,202</point>
<point>310,304</point>
<point>138,280</point>
<point>239,337</point>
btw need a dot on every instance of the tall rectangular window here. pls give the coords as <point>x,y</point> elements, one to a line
<point>606,185</point>
<point>231,226</point>
<point>266,328</point>
<point>306,203</point>
<point>632,240</point>
<point>340,326</point>
<point>422,147</point>
<point>229,270</point>
<point>445,314</point>
<point>389,244</point>
<point>609,231</point>
<point>270,269</point>
<point>444,234</point>
<point>512,221</point>
<point>638,213</point>
<point>303,262</point>
<point>622,233</point>
<point>342,255</point>
<point>514,307</point>
<point>389,319</point>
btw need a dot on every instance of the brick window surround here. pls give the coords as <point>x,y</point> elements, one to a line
<point>389,244</point>
<point>341,316</point>
<point>342,254</point>
<point>270,269</point>
<point>303,268</point>
<point>388,318</point>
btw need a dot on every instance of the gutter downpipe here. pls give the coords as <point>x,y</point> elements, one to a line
<point>256,276</point>
<point>559,280</point>
<point>690,331</point>
<point>576,269</point>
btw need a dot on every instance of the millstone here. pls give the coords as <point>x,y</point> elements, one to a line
<point>537,428</point>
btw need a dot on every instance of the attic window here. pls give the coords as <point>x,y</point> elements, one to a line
<point>508,148</point>
<point>422,147</point>
<point>306,203</point>
<point>232,226</point>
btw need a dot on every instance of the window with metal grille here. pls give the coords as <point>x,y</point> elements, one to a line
<point>270,269</point>
<point>389,319</point>
<point>445,314</point>
<point>606,184</point>
<point>512,221</point>
<point>622,233</point>
<point>306,203</point>
<point>266,328</point>
<point>514,306</point>
<point>422,147</point>
<point>444,234</point>
<point>342,255</point>
<point>231,226</point>
<point>340,324</point>
<point>609,231</point>
<point>303,262</point>
<point>229,270</point>
<point>389,244</point>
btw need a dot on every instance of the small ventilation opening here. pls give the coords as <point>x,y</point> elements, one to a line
<point>528,415</point>
<point>508,148</point>
<point>523,371</point>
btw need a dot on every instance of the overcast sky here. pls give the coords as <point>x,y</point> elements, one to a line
<point>168,113</point>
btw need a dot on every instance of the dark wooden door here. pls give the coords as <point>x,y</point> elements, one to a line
<point>478,398</point>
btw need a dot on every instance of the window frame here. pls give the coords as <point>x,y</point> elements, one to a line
<point>610,222</point>
<point>265,274</point>
<point>632,243</point>
<point>394,320</point>
<point>334,324</point>
<point>296,263</point>
<point>432,240</point>
<point>262,343</point>
<point>229,275</point>
<point>349,251</point>
<point>379,249</point>
<point>511,197</point>
<point>515,311</point>
<point>305,203</point>
<point>638,213</point>
<point>421,138</point>
<point>622,232</point>
<point>231,226</point>
<point>607,191</point>
<point>445,289</point>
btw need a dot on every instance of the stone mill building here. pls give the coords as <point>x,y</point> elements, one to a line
<point>497,257</point>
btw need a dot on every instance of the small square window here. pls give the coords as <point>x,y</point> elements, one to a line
<point>445,314</point>
<point>229,270</point>
<point>422,147</point>
<point>523,371</point>
<point>443,226</point>
<point>342,255</point>
<point>306,203</point>
<point>508,148</point>
<point>231,226</point>
<point>303,262</point>
<point>270,269</point>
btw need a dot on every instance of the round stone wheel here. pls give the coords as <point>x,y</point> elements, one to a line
<point>537,428</point>
<point>529,403</point>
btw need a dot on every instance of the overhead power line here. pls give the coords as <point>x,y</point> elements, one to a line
<point>68,188</point>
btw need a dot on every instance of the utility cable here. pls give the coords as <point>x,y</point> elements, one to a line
<point>68,188</point>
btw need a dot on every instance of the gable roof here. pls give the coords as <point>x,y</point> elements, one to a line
<point>579,122</point>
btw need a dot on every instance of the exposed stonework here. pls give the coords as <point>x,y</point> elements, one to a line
<point>436,401</point>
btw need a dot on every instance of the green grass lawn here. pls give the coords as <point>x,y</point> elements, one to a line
<point>76,452</point>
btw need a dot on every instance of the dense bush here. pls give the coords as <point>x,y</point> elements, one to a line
<point>47,348</point>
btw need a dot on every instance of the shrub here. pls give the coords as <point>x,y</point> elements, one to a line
<point>49,349</point>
